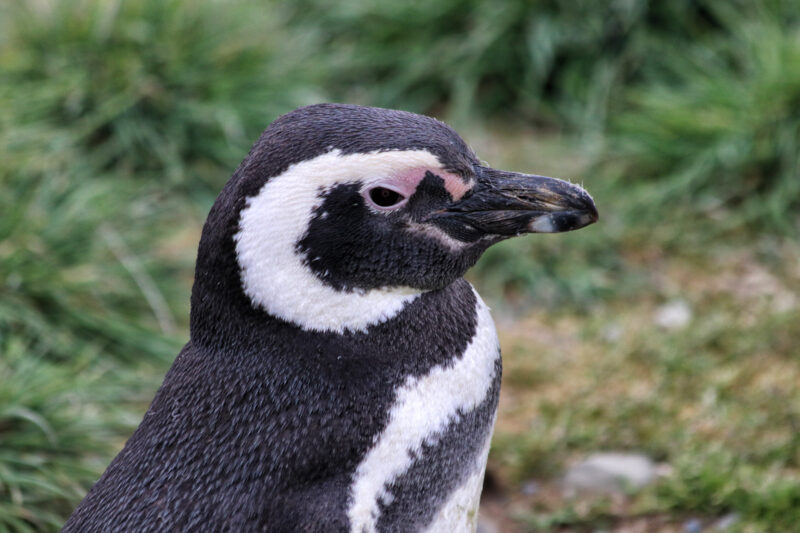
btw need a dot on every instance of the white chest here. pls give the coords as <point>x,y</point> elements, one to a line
<point>423,409</point>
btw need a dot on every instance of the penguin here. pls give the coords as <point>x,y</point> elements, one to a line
<point>341,375</point>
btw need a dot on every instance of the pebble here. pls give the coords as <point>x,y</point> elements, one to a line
<point>726,522</point>
<point>487,525</point>
<point>610,473</point>
<point>673,315</point>
<point>693,525</point>
<point>612,333</point>
<point>530,488</point>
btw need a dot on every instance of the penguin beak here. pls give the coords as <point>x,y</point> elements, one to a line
<point>506,204</point>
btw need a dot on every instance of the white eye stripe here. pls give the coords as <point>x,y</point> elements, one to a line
<point>274,276</point>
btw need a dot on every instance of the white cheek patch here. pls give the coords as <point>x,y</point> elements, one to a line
<point>423,407</point>
<point>274,220</point>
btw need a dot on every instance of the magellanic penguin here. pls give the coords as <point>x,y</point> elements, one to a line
<point>340,376</point>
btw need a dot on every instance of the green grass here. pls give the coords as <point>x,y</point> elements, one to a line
<point>120,121</point>
<point>719,131</point>
<point>168,91</point>
<point>554,62</point>
<point>60,422</point>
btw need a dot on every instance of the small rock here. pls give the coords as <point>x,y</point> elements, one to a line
<point>529,488</point>
<point>612,333</point>
<point>726,522</point>
<point>664,470</point>
<point>610,473</point>
<point>693,525</point>
<point>487,525</point>
<point>673,315</point>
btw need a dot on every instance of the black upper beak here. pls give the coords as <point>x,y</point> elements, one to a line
<point>505,204</point>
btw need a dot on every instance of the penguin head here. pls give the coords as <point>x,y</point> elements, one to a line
<point>339,206</point>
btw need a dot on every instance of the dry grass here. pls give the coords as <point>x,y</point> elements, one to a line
<point>722,389</point>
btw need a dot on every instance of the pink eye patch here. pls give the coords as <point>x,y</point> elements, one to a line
<point>406,182</point>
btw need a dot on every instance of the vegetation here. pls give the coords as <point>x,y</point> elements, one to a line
<point>120,121</point>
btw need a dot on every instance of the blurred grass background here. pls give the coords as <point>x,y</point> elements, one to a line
<point>120,121</point>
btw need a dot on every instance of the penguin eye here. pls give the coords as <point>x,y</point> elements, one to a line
<point>383,197</point>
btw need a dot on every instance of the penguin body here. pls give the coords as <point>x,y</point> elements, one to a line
<point>340,374</point>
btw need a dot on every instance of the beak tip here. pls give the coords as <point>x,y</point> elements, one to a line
<point>561,221</point>
<point>578,213</point>
<point>592,215</point>
<point>587,212</point>
<point>588,219</point>
<point>587,205</point>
